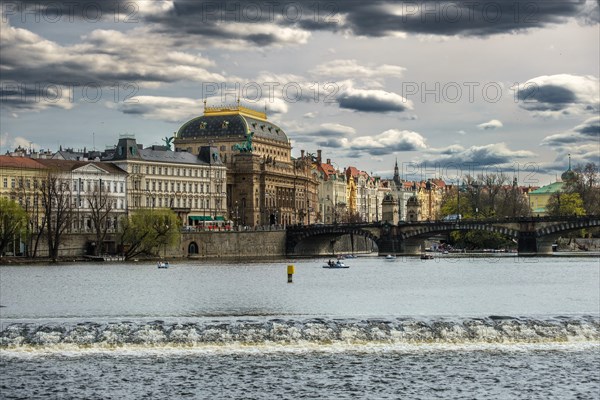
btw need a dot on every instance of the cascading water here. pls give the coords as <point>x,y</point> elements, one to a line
<point>282,332</point>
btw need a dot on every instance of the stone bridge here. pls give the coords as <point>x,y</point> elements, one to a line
<point>533,235</point>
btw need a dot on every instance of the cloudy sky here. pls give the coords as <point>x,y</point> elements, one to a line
<point>445,88</point>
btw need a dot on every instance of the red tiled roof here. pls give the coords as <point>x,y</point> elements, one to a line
<point>352,171</point>
<point>327,169</point>
<point>20,162</point>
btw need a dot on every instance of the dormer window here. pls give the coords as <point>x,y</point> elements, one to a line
<point>225,124</point>
<point>203,125</point>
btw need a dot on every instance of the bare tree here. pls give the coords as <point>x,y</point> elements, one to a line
<point>102,205</point>
<point>493,184</point>
<point>58,210</point>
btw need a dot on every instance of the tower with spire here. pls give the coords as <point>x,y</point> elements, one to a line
<point>397,180</point>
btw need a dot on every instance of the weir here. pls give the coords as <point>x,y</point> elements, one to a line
<point>493,329</point>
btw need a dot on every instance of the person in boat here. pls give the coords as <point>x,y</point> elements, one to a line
<point>330,263</point>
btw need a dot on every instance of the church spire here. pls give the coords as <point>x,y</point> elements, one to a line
<point>396,174</point>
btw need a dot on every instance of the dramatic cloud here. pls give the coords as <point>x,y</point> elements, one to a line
<point>384,18</point>
<point>589,130</point>
<point>495,154</point>
<point>34,97</point>
<point>388,142</point>
<point>376,101</point>
<point>373,19</point>
<point>105,57</point>
<point>172,109</point>
<point>561,94</point>
<point>265,23</point>
<point>490,125</point>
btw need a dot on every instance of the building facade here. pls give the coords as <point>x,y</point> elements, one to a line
<point>265,185</point>
<point>191,185</point>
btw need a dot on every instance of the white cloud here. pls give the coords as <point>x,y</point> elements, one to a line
<point>562,94</point>
<point>172,109</point>
<point>351,69</point>
<point>368,100</point>
<point>490,125</point>
<point>388,142</point>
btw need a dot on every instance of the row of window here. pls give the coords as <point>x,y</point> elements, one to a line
<point>174,171</point>
<point>180,187</point>
<point>22,183</point>
<point>181,203</point>
<point>115,204</point>
<point>98,185</point>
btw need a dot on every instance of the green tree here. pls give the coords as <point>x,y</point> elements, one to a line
<point>449,205</point>
<point>586,183</point>
<point>148,231</point>
<point>13,222</point>
<point>565,204</point>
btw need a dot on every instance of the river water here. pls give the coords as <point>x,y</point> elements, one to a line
<point>449,328</point>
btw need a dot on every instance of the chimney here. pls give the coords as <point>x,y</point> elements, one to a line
<point>302,154</point>
<point>319,156</point>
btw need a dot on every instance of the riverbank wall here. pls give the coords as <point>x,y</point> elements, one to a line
<point>207,245</point>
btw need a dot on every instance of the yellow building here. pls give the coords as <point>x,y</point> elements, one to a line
<point>538,199</point>
<point>20,180</point>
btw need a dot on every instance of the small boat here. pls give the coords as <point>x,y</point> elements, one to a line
<point>162,264</point>
<point>337,264</point>
<point>390,257</point>
<point>426,256</point>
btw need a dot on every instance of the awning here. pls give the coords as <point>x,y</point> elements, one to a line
<point>200,218</point>
<point>219,218</point>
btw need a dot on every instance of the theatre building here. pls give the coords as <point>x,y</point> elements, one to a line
<point>265,185</point>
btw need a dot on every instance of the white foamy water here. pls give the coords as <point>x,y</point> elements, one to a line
<point>447,328</point>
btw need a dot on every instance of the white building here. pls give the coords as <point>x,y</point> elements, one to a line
<point>194,186</point>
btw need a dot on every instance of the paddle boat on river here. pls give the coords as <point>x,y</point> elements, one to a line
<point>335,264</point>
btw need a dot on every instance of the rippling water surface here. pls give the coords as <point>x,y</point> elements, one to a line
<point>502,327</point>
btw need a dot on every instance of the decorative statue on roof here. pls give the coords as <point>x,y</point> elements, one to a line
<point>168,141</point>
<point>245,147</point>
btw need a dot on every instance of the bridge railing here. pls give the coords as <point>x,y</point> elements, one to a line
<point>359,225</point>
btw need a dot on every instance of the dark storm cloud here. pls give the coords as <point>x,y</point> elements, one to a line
<point>214,19</point>
<point>57,11</point>
<point>375,101</point>
<point>560,94</point>
<point>373,18</point>
<point>494,154</point>
<point>335,143</point>
<point>549,94</point>
<point>588,131</point>
<point>17,97</point>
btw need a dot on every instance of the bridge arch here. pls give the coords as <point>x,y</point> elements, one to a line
<point>296,236</point>
<point>423,231</point>
<point>567,226</point>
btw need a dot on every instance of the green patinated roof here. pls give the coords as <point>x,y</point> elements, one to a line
<point>549,189</point>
